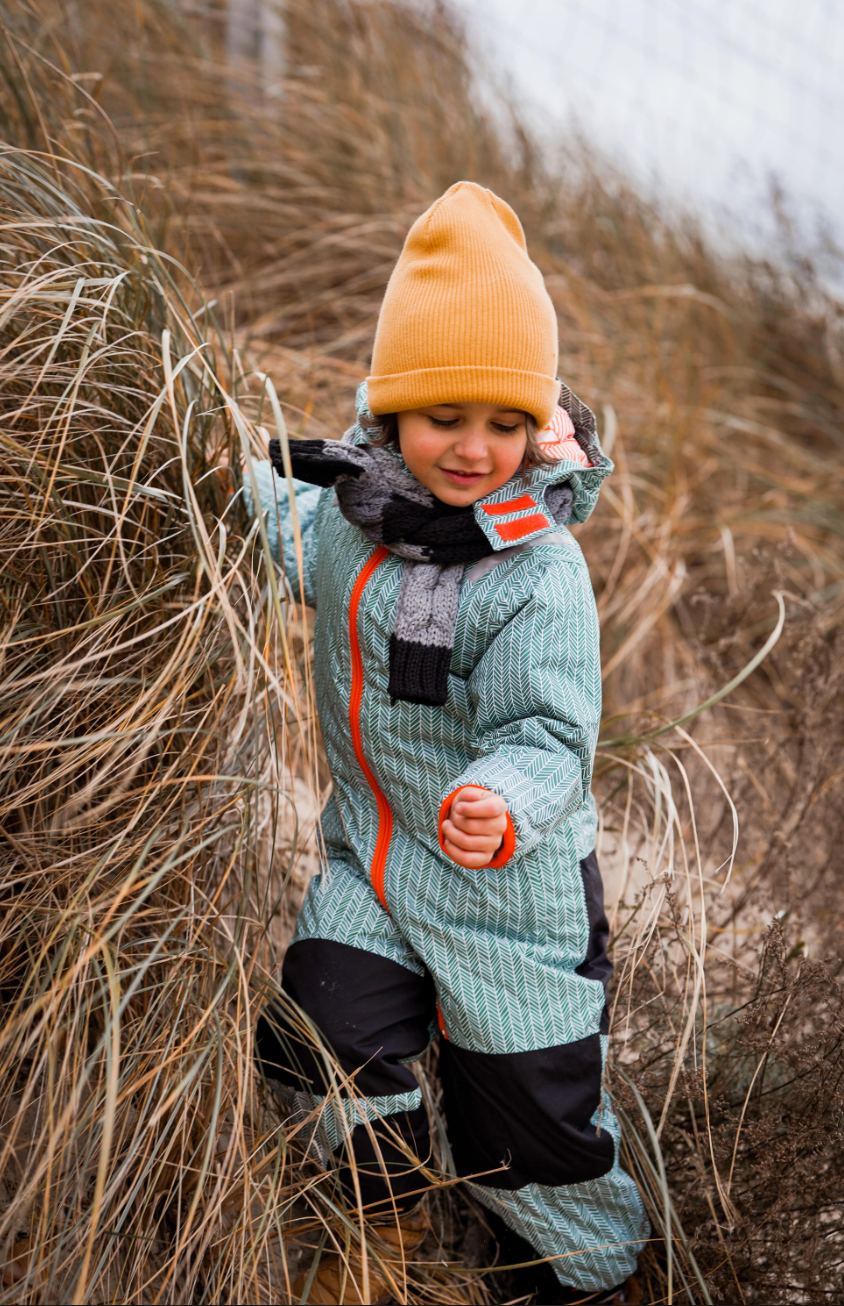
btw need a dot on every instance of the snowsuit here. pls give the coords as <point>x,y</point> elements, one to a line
<point>394,938</point>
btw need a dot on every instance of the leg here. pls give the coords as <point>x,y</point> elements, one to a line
<point>375,1015</point>
<point>537,1133</point>
<point>532,1128</point>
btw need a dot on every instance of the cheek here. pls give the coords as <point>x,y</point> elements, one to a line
<point>509,456</point>
<point>421,449</point>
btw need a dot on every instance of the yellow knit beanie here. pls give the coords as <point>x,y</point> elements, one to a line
<point>466,317</point>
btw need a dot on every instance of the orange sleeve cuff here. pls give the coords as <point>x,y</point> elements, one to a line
<point>507,848</point>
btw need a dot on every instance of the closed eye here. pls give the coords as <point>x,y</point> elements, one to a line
<point>507,430</point>
<point>443,423</point>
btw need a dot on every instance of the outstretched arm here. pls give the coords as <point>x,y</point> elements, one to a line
<point>275,505</point>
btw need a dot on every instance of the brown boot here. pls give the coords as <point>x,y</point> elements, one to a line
<point>339,1282</point>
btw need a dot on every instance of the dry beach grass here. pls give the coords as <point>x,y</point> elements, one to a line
<point>182,243</point>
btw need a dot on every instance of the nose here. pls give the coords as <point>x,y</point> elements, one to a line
<point>471,443</point>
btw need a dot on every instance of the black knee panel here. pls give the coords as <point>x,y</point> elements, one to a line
<point>528,1111</point>
<point>371,1012</point>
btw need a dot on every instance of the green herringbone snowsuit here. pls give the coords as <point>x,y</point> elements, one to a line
<point>516,955</point>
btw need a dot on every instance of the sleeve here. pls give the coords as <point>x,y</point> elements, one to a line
<point>275,505</point>
<point>537,695</point>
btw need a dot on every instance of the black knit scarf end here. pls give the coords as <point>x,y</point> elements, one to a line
<point>419,672</point>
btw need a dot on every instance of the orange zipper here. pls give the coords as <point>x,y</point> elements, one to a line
<point>385,816</point>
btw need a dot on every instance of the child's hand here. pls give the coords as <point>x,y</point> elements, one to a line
<point>474,829</point>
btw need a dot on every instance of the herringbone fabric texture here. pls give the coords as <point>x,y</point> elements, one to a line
<point>522,720</point>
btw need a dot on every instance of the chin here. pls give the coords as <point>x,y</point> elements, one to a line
<point>457,498</point>
<point>460,495</point>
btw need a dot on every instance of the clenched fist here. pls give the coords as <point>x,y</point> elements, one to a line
<point>473,831</point>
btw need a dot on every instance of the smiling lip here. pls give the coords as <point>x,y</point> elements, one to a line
<point>462,478</point>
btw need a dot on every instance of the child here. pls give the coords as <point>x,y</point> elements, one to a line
<point>459,692</point>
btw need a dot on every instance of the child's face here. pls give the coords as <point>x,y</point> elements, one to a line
<point>462,452</point>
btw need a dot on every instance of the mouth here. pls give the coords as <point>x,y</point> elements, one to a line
<point>462,478</point>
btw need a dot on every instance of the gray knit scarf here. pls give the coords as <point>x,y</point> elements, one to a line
<point>377,493</point>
